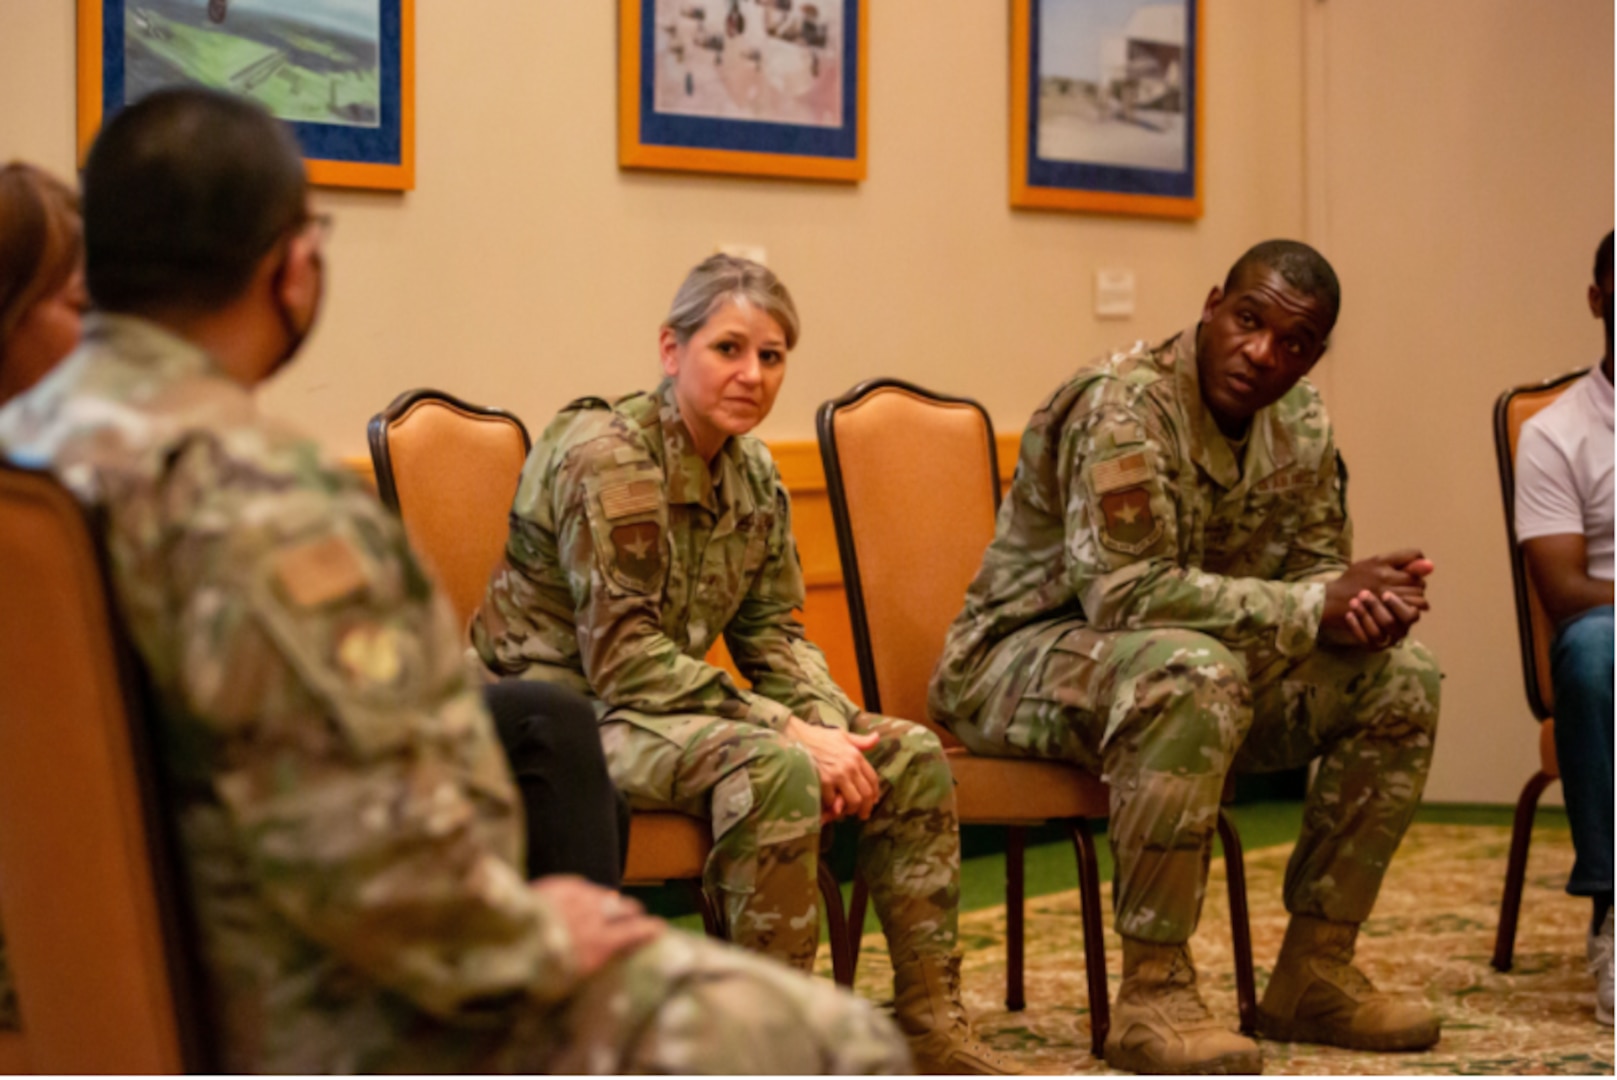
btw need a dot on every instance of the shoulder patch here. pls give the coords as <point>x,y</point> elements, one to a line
<point>1130,470</point>
<point>319,571</point>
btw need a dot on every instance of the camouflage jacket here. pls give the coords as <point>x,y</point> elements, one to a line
<point>347,820</point>
<point>627,559</point>
<point>1129,509</point>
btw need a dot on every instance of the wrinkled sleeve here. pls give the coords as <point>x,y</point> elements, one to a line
<point>612,538</point>
<point>354,764</point>
<point>1323,545</point>
<point>1122,540</point>
<point>766,639</point>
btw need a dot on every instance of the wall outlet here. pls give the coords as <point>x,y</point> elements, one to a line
<point>1114,294</point>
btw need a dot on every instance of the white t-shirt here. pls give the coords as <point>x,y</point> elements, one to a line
<point>1564,471</point>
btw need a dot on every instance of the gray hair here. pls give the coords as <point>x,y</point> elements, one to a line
<point>720,278</point>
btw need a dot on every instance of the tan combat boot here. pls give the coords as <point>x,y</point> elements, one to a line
<point>1160,1023</point>
<point>1318,996</point>
<point>926,1003</point>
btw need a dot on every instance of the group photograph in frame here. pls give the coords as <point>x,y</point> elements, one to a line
<point>751,87</point>
<point>1107,106</point>
<point>339,72</point>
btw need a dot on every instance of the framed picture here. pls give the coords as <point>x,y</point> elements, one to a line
<point>759,87</point>
<point>341,72</point>
<point>1106,106</point>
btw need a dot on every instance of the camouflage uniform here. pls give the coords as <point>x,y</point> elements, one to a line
<point>349,826</point>
<point>627,559</point>
<point>1179,639</point>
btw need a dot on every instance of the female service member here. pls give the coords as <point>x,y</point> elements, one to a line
<point>645,528</point>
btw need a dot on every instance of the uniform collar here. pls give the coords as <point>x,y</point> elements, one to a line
<point>144,344</point>
<point>1270,445</point>
<point>721,489</point>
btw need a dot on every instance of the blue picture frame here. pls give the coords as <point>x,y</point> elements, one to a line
<point>381,155</point>
<point>1100,185</point>
<point>664,140</point>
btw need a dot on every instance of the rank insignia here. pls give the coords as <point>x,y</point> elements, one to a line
<point>370,655</point>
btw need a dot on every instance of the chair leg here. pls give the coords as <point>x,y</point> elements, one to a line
<point>1246,987</point>
<point>836,926</point>
<point>1100,1005</point>
<point>1015,846</point>
<point>856,923</point>
<point>1510,906</point>
<point>712,916</point>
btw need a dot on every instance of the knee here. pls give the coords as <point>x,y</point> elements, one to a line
<point>1583,651</point>
<point>784,782</point>
<point>910,758</point>
<point>536,721</point>
<point>1412,685</point>
<point>1188,688</point>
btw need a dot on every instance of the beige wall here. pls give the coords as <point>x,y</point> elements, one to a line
<point>1455,160</point>
<point>1467,177</point>
<point>526,269</point>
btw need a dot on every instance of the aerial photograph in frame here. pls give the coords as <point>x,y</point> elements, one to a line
<point>1111,83</point>
<point>770,61</point>
<point>307,61</point>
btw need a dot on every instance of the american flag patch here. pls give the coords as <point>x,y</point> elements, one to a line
<point>630,497</point>
<point>1130,470</point>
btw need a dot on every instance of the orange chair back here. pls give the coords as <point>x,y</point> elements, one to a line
<point>450,471</point>
<point>913,478</point>
<point>1514,408</point>
<point>91,917</point>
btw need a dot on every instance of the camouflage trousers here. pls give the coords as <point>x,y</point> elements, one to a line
<point>762,794</point>
<point>688,1005</point>
<point>1164,715</point>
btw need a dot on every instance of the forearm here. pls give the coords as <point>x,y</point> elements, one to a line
<point>1573,595</point>
<point>1237,611</point>
<point>789,669</point>
<point>642,669</point>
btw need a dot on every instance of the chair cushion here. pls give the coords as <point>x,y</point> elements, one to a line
<point>665,846</point>
<point>1021,791</point>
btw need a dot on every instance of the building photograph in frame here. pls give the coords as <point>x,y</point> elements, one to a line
<point>1106,106</point>
<point>338,71</point>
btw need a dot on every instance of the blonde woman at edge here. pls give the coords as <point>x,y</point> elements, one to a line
<point>645,528</point>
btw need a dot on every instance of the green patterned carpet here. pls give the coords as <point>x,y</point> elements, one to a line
<point>1432,934</point>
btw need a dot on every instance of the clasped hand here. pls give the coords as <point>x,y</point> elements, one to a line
<point>848,784</point>
<point>1376,601</point>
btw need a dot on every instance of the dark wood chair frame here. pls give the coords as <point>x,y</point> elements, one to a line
<point>1016,835</point>
<point>1521,831</point>
<point>159,823</point>
<point>713,921</point>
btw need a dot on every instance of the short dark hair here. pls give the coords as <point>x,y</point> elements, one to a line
<point>1303,268</point>
<point>1603,260</point>
<point>185,192</point>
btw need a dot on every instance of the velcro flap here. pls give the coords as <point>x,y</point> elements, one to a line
<point>1130,470</point>
<point>319,571</point>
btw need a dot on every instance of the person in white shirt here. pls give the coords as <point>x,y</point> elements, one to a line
<point>1564,525</point>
